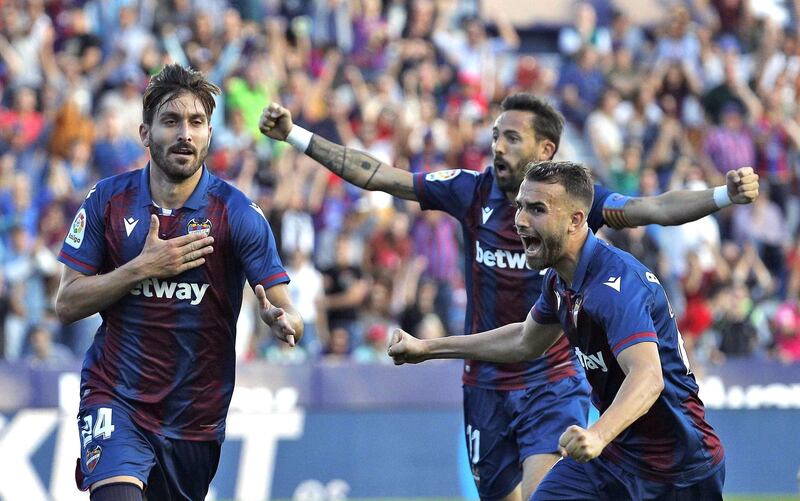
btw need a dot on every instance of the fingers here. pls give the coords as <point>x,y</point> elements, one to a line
<point>270,116</point>
<point>261,295</point>
<point>397,336</point>
<point>153,231</point>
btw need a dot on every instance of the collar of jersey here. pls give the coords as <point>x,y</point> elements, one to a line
<point>583,262</point>
<point>496,193</point>
<point>194,202</point>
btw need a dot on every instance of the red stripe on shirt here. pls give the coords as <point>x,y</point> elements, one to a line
<point>72,260</point>
<point>634,337</point>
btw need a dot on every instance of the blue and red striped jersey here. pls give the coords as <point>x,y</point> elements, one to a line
<point>614,302</point>
<point>500,287</point>
<point>165,351</point>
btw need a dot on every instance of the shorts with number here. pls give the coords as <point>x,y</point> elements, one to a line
<point>504,427</point>
<point>602,480</point>
<point>171,469</point>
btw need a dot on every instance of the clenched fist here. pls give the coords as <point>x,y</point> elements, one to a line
<point>276,122</point>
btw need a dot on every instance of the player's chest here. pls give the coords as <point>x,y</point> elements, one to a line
<point>127,229</point>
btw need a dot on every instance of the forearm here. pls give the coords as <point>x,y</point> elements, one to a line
<point>502,345</point>
<point>671,208</point>
<point>636,395</point>
<point>88,295</point>
<point>361,169</point>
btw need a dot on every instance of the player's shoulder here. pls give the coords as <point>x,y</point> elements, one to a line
<point>109,187</point>
<point>450,175</point>
<point>237,203</point>
<point>616,275</point>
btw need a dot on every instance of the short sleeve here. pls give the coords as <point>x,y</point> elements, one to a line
<point>84,245</point>
<point>254,245</point>
<point>596,220</point>
<point>451,191</point>
<point>623,305</point>
<point>545,310</point>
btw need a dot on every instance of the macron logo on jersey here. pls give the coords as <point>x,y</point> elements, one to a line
<point>153,287</point>
<point>487,213</point>
<point>613,282</point>
<point>499,258</point>
<point>591,362</point>
<point>130,224</point>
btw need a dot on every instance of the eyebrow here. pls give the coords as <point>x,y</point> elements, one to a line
<point>174,114</point>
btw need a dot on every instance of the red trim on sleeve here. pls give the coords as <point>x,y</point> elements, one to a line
<point>634,337</point>
<point>274,277</point>
<point>74,261</point>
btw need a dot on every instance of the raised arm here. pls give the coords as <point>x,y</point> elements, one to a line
<point>356,167</point>
<point>507,344</point>
<point>681,206</point>
<point>82,295</point>
<point>642,385</point>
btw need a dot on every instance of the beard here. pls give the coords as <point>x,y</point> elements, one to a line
<point>511,179</point>
<point>550,250</point>
<point>178,168</point>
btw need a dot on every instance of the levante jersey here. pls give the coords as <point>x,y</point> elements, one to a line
<point>613,303</point>
<point>500,287</point>
<point>165,351</point>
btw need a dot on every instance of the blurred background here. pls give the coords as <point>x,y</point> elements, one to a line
<point>657,94</point>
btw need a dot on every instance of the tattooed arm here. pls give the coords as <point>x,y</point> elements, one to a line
<point>354,166</point>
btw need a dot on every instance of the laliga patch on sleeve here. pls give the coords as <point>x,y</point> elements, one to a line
<point>76,231</point>
<point>442,175</point>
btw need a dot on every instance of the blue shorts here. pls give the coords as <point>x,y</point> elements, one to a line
<point>600,479</point>
<point>112,444</point>
<point>505,427</point>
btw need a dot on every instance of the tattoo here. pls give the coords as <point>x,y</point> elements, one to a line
<point>364,165</point>
<point>331,155</point>
<point>359,168</point>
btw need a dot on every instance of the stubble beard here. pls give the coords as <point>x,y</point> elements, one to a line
<point>177,171</point>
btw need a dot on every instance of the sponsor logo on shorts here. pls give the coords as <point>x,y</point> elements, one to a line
<point>92,457</point>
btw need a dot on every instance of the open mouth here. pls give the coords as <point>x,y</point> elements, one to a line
<point>500,166</point>
<point>183,151</point>
<point>532,244</point>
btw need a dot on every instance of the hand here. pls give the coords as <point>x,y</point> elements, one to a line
<point>580,444</point>
<point>276,122</point>
<point>167,258</point>
<point>742,185</point>
<point>275,317</point>
<point>405,348</point>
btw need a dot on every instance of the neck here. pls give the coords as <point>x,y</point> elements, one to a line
<point>566,265</point>
<point>168,193</point>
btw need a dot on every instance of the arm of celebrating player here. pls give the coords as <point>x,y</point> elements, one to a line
<point>681,206</point>
<point>278,312</point>
<point>507,344</point>
<point>81,295</point>
<point>642,385</point>
<point>354,166</point>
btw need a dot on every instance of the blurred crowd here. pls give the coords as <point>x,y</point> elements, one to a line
<point>417,83</point>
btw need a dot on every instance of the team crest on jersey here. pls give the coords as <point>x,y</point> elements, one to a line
<point>576,309</point>
<point>77,229</point>
<point>197,226</point>
<point>442,175</point>
<point>93,457</point>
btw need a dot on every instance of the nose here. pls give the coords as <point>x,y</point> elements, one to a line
<point>498,146</point>
<point>520,221</point>
<point>184,132</point>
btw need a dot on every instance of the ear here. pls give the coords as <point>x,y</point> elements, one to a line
<point>144,134</point>
<point>547,149</point>
<point>576,221</point>
<point>210,133</point>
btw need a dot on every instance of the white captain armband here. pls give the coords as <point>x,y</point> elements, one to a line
<point>721,197</point>
<point>299,137</point>
<point>614,211</point>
